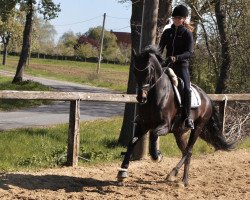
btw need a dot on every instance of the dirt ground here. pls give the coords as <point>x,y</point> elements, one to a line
<point>222,175</point>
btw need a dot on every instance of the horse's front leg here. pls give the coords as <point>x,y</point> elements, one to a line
<point>123,171</point>
<point>153,148</point>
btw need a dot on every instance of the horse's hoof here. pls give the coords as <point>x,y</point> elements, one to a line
<point>122,173</point>
<point>160,158</point>
<point>121,176</point>
<point>185,183</point>
<point>171,178</point>
<point>180,185</point>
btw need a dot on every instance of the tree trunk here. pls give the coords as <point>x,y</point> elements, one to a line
<point>150,23</point>
<point>225,55</point>
<point>5,45</point>
<point>4,53</point>
<point>149,28</point>
<point>126,133</point>
<point>26,44</point>
<point>164,12</point>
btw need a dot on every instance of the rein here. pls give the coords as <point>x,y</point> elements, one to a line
<point>148,86</point>
<point>163,72</point>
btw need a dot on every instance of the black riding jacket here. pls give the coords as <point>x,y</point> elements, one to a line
<point>178,43</point>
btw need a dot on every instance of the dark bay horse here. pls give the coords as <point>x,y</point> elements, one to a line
<point>158,113</point>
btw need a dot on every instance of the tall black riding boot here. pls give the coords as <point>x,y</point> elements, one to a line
<point>187,108</point>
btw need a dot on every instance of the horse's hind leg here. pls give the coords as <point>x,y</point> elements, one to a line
<point>153,150</point>
<point>181,141</point>
<point>187,155</point>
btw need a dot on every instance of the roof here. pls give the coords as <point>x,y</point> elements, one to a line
<point>85,40</point>
<point>122,37</point>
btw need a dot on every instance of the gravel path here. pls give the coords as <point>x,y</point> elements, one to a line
<point>59,111</point>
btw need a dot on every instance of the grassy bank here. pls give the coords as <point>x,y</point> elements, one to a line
<point>111,76</point>
<point>9,104</point>
<point>35,148</point>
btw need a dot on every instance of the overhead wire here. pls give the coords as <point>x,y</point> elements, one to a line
<point>79,21</point>
<point>117,17</point>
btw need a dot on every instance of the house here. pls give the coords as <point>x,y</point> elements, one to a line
<point>85,40</point>
<point>123,38</point>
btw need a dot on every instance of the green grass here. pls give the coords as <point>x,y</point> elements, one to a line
<point>36,148</point>
<point>245,143</point>
<point>9,104</point>
<point>111,76</point>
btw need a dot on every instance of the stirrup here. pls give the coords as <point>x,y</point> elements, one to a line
<point>189,123</point>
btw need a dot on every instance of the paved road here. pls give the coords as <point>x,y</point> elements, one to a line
<point>59,111</point>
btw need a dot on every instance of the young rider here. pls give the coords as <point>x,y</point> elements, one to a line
<point>178,41</point>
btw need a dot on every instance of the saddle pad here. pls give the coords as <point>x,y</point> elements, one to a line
<point>195,97</point>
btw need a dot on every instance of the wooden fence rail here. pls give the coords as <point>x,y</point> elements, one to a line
<point>74,115</point>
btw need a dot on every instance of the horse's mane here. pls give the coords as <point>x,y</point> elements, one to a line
<point>154,50</point>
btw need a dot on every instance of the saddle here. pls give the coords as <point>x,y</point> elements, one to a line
<point>195,97</point>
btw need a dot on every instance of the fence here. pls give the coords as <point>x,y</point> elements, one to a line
<point>74,115</point>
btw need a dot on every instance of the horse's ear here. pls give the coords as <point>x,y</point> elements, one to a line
<point>134,53</point>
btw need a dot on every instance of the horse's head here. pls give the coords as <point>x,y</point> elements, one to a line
<point>144,71</point>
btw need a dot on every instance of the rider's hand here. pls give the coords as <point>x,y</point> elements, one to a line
<point>171,59</point>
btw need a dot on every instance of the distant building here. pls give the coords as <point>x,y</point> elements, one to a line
<point>123,38</point>
<point>85,40</point>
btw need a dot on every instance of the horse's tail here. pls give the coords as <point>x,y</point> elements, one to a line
<point>212,133</point>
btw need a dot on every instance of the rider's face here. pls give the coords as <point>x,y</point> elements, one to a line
<point>178,20</point>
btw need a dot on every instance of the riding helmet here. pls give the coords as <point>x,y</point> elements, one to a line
<point>180,11</point>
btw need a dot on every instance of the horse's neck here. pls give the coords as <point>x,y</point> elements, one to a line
<point>162,87</point>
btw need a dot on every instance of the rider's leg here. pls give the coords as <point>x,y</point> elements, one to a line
<point>183,72</point>
<point>187,108</point>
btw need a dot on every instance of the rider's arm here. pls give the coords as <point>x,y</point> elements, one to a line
<point>189,43</point>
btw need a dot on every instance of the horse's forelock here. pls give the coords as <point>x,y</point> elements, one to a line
<point>141,60</point>
<point>152,49</point>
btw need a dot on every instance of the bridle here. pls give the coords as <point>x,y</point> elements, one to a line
<point>148,86</point>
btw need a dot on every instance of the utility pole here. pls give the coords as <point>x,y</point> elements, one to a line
<point>100,53</point>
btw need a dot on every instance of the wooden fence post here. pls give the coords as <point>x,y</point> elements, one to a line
<point>222,111</point>
<point>73,133</point>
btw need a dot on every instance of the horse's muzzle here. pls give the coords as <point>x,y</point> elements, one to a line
<point>142,97</point>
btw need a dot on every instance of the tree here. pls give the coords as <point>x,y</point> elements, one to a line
<point>86,51</point>
<point>220,14</point>
<point>135,23</point>
<point>5,35</point>
<point>49,11</point>
<point>66,44</point>
<point>127,127</point>
<point>222,30</point>
<point>43,34</point>
<point>110,46</point>
<point>9,25</point>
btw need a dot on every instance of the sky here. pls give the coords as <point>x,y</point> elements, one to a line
<point>80,15</point>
